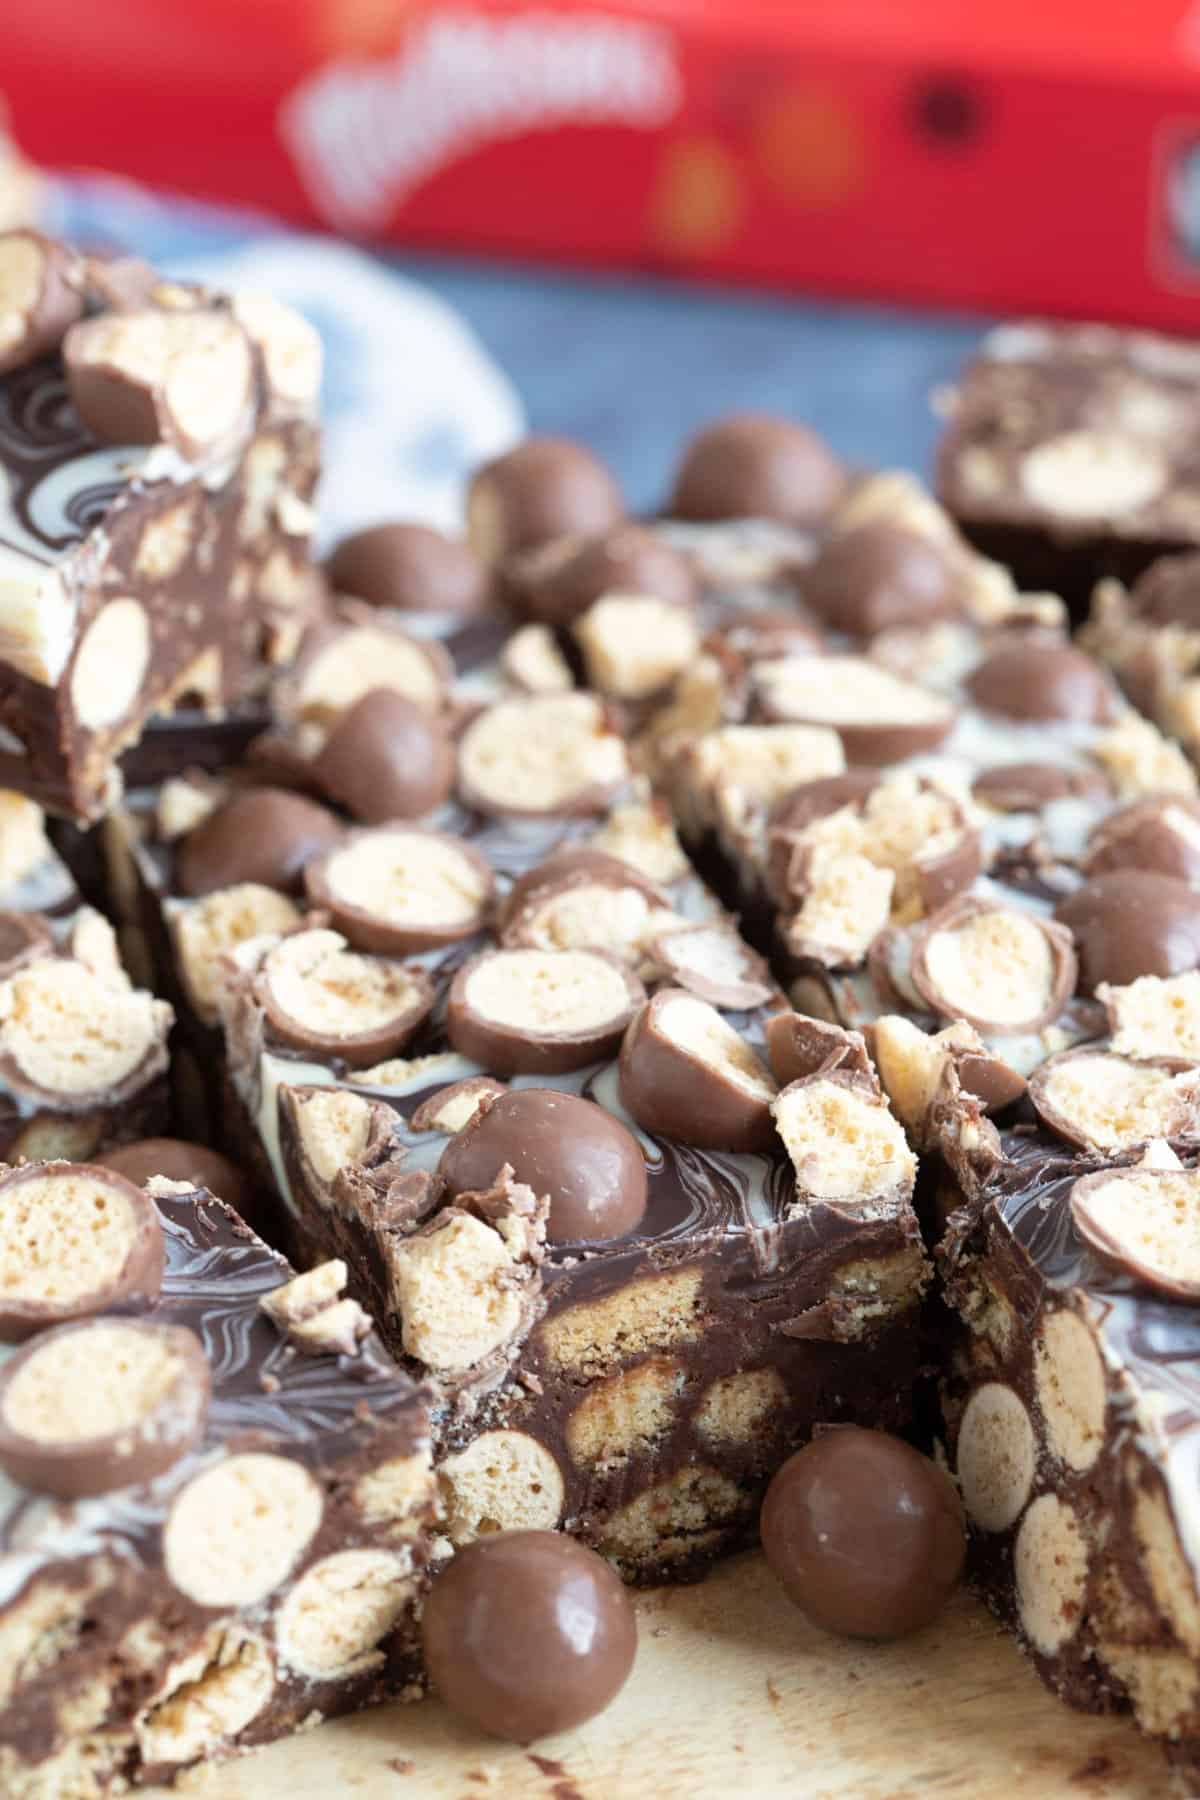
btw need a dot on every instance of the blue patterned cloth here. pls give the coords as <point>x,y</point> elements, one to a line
<point>629,365</point>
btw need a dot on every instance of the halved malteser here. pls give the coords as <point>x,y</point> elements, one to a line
<point>70,1037</point>
<point>845,1144</point>
<point>154,377</point>
<point>99,1404</point>
<point>74,1239</point>
<point>205,933</point>
<point>687,1074</point>
<point>1102,1101</point>
<point>452,1108</point>
<point>847,904</point>
<point>712,962</point>
<point>634,645</point>
<point>879,717</point>
<point>900,822</point>
<point>540,1012</point>
<point>40,296</point>
<point>583,899</point>
<point>911,1064</point>
<point>1000,968</point>
<point>552,753</point>
<point>798,1045</point>
<point>321,996</point>
<point>397,890</point>
<point>643,836</point>
<point>356,653</point>
<point>1156,1015</point>
<point>1146,1223</point>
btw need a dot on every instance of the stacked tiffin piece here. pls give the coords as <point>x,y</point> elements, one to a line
<point>623,962</point>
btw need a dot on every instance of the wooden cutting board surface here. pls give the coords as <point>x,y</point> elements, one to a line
<point>735,1695</point>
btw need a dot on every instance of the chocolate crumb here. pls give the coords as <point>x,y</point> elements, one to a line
<point>401,1765</point>
<point>773,1694</point>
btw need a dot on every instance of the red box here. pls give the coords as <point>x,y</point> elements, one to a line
<point>1002,154</point>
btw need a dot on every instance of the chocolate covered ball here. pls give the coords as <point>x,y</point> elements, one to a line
<point>630,559</point>
<point>1029,786</point>
<point>589,1164</point>
<point>260,834</point>
<point>179,1160</point>
<point>411,567</point>
<point>1039,677</point>
<point>880,576</point>
<point>809,801</point>
<point>387,758</point>
<point>753,466</point>
<point>1131,922</point>
<point>1159,832</point>
<point>527,1633</point>
<point>547,487</point>
<point>1169,592</point>
<point>866,1536</point>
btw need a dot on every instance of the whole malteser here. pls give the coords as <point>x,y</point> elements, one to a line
<point>879,576</point>
<point>1035,676</point>
<point>753,466</point>
<point>1160,832</point>
<point>181,1161</point>
<point>387,758</point>
<point>548,487</point>
<point>588,1163</point>
<point>1169,592</point>
<point>1131,922</point>
<point>629,559</point>
<point>262,834</point>
<point>528,1632</point>
<point>412,568</point>
<point>1029,786</point>
<point>866,1536</point>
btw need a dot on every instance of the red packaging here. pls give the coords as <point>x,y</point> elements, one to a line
<point>1005,154</point>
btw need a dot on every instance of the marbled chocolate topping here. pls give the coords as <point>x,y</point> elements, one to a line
<point>59,482</point>
<point>307,1408</point>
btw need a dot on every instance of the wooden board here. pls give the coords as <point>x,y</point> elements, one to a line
<point>735,1694</point>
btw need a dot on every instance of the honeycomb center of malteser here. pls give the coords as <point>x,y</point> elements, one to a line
<point>341,993</point>
<point>408,879</point>
<point>617,918</point>
<point>89,1384</point>
<point>843,1146</point>
<point>72,1033</point>
<point>555,990</point>
<point>1111,1101</point>
<point>542,760</point>
<point>704,1034</point>
<point>61,1236</point>
<point>999,966</point>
